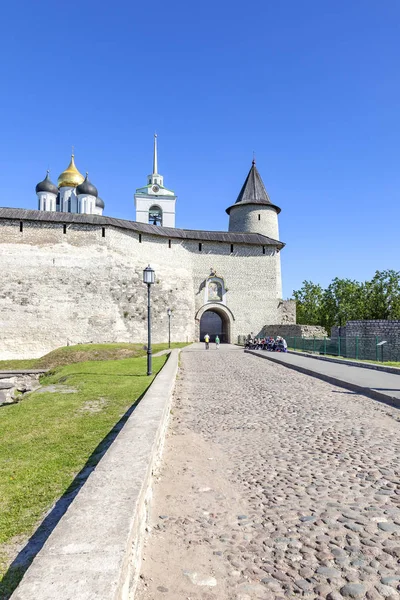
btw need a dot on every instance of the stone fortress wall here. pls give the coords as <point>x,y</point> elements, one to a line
<point>85,285</point>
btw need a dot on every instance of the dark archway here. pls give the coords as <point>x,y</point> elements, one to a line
<point>215,323</point>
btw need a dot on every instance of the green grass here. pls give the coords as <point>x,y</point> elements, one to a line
<point>48,438</point>
<point>83,352</point>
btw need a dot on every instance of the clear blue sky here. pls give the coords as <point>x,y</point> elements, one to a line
<point>312,87</point>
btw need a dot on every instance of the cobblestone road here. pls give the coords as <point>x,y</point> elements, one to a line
<point>274,485</point>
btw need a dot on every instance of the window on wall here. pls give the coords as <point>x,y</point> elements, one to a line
<point>169,243</point>
<point>200,247</point>
<point>44,204</point>
<point>263,249</point>
<point>155,215</point>
<point>21,226</point>
<point>69,205</point>
<point>103,232</point>
<point>231,248</point>
<point>140,238</point>
<point>64,228</point>
<point>259,217</point>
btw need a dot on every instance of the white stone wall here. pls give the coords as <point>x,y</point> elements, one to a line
<point>77,287</point>
<point>256,218</point>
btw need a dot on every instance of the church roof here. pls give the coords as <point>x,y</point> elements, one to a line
<point>71,177</point>
<point>46,185</point>
<point>86,187</point>
<point>255,239</point>
<point>253,191</point>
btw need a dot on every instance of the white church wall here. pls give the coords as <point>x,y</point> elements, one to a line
<point>47,201</point>
<point>66,194</point>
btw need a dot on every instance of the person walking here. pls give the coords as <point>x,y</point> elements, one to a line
<point>216,342</point>
<point>207,341</point>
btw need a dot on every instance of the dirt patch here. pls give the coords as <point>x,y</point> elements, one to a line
<point>94,406</point>
<point>58,389</point>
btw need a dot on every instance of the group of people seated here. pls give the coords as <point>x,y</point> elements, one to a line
<point>267,343</point>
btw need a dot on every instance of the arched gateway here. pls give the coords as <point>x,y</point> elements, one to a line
<point>214,320</point>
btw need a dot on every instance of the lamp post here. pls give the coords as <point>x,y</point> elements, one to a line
<point>169,313</point>
<point>148,278</point>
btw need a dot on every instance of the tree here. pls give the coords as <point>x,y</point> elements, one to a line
<point>383,295</point>
<point>344,300</point>
<point>309,303</point>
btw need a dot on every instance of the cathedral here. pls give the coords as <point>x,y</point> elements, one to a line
<point>73,194</point>
<point>70,274</point>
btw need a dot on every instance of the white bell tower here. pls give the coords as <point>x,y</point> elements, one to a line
<point>154,203</point>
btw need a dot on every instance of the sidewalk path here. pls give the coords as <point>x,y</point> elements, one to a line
<point>377,384</point>
<point>274,485</point>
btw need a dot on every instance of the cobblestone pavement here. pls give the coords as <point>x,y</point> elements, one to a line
<point>273,485</point>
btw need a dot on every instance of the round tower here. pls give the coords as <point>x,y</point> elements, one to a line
<point>47,194</point>
<point>253,211</point>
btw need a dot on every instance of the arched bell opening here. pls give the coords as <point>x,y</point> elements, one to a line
<point>155,215</point>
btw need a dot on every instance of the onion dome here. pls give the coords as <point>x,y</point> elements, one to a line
<point>46,185</point>
<point>87,188</point>
<point>71,176</point>
<point>99,202</point>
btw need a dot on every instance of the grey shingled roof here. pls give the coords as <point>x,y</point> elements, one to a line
<point>253,191</point>
<point>22,214</point>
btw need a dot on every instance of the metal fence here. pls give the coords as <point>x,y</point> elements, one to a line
<point>373,348</point>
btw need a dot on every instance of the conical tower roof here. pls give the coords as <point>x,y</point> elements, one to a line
<point>253,191</point>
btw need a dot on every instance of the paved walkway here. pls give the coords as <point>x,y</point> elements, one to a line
<point>378,384</point>
<point>274,485</point>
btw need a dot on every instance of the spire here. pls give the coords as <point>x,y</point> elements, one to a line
<point>155,160</point>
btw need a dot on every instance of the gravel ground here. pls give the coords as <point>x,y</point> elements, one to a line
<point>273,485</point>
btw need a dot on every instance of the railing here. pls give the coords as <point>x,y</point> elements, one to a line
<point>373,348</point>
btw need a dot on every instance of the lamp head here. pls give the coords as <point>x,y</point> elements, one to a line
<point>148,275</point>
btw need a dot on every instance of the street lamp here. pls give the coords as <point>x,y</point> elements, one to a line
<point>148,278</point>
<point>169,313</point>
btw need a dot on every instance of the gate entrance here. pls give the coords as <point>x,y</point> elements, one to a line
<point>214,323</point>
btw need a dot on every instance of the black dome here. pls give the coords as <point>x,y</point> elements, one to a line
<point>47,186</point>
<point>99,203</point>
<point>87,188</point>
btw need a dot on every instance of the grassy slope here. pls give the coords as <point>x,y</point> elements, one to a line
<point>83,352</point>
<point>48,437</point>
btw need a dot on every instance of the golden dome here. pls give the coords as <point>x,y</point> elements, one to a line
<point>71,176</point>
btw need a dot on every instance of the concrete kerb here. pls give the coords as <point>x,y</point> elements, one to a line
<point>94,553</point>
<point>334,380</point>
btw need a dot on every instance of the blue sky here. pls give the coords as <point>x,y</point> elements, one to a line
<point>312,87</point>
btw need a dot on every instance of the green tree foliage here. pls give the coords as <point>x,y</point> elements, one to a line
<point>343,300</point>
<point>309,303</point>
<point>346,300</point>
<point>383,295</point>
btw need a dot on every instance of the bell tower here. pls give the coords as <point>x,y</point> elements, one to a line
<point>155,204</point>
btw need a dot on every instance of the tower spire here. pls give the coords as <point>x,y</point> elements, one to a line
<point>155,159</point>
